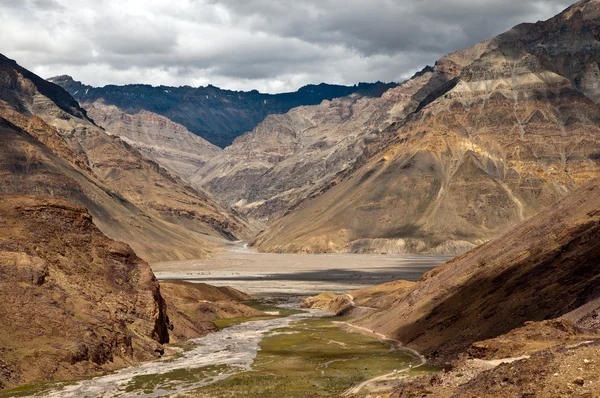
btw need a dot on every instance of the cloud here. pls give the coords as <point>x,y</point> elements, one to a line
<point>271,45</point>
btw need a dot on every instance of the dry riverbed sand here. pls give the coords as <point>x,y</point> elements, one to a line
<point>269,274</point>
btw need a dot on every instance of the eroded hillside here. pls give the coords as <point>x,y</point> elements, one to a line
<point>132,199</point>
<point>514,131</point>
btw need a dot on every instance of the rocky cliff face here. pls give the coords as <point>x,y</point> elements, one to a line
<point>52,145</point>
<point>508,130</point>
<point>73,302</point>
<point>219,116</point>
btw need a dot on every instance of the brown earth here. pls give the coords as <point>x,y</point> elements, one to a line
<point>193,306</point>
<point>73,302</point>
<point>518,316</point>
<point>542,359</point>
<point>511,126</point>
<point>545,267</point>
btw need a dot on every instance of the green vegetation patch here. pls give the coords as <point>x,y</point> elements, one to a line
<point>313,356</point>
<point>175,378</point>
<point>265,307</point>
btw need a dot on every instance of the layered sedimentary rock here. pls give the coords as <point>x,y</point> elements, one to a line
<point>290,157</point>
<point>510,129</point>
<point>73,302</point>
<point>52,148</point>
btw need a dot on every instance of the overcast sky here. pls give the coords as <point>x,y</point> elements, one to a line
<point>270,45</point>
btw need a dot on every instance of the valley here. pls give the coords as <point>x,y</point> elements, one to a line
<point>305,350</point>
<point>437,236</point>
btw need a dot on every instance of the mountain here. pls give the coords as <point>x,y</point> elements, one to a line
<point>73,303</point>
<point>217,115</point>
<point>510,126</point>
<point>50,147</point>
<point>290,157</point>
<point>542,269</point>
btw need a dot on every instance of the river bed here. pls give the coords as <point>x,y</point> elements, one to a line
<point>213,357</point>
<point>295,354</point>
<point>273,274</point>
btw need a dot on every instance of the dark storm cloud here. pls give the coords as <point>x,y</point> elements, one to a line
<point>272,45</point>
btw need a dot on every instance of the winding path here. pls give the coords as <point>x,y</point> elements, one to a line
<point>356,389</point>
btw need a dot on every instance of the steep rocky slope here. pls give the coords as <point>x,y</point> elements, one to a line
<point>72,302</point>
<point>517,316</point>
<point>219,116</point>
<point>52,145</point>
<point>167,143</point>
<point>544,268</point>
<point>515,130</point>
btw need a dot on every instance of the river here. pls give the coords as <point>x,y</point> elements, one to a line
<point>235,347</point>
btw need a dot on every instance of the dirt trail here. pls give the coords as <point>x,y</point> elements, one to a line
<point>398,344</point>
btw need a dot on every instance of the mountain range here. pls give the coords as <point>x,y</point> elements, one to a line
<point>217,115</point>
<point>440,163</point>
<point>51,147</point>
<point>506,128</point>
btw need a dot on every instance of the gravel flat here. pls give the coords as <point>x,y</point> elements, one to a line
<point>267,274</point>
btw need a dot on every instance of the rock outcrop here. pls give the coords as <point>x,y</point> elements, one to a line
<point>511,127</point>
<point>73,302</point>
<point>193,306</point>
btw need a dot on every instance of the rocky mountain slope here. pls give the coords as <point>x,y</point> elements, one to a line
<point>219,116</point>
<point>167,143</point>
<point>517,315</point>
<point>510,126</point>
<point>544,268</point>
<point>50,147</point>
<point>558,361</point>
<point>72,302</point>
<point>193,306</point>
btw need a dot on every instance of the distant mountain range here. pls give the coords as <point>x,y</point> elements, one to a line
<point>217,115</point>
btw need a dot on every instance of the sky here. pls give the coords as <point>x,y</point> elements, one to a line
<point>269,45</point>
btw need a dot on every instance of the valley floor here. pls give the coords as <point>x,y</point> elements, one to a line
<point>269,274</point>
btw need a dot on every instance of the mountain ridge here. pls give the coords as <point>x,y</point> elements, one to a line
<point>215,114</point>
<point>131,197</point>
